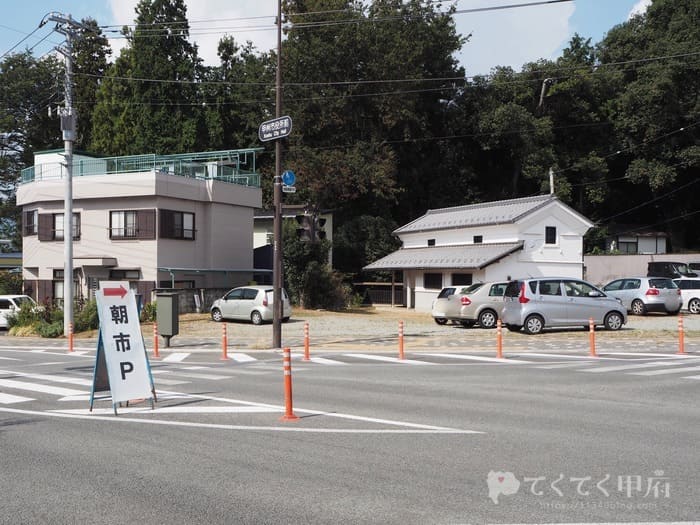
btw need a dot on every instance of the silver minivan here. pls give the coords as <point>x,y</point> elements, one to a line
<point>545,302</point>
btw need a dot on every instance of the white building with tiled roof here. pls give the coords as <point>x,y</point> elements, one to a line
<point>490,241</point>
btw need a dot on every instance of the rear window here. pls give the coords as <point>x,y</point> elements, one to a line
<point>662,283</point>
<point>446,292</point>
<point>472,288</point>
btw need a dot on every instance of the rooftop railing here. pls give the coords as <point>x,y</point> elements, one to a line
<point>231,166</point>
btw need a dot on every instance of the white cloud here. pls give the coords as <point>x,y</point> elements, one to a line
<point>639,8</point>
<point>514,36</point>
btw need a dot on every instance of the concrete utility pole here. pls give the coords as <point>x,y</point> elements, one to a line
<point>277,199</point>
<point>68,27</point>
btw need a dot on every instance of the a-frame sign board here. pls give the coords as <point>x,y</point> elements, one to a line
<point>121,362</point>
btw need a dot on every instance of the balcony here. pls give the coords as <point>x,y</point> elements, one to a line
<point>230,166</point>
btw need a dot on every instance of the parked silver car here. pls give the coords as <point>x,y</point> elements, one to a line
<point>646,294</point>
<point>250,303</point>
<point>544,302</point>
<point>477,303</point>
<point>690,293</point>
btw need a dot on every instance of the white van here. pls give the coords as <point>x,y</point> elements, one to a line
<point>9,304</point>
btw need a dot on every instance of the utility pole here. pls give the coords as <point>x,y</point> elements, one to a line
<point>277,199</point>
<point>68,27</point>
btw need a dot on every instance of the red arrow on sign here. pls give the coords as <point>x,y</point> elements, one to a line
<point>121,291</point>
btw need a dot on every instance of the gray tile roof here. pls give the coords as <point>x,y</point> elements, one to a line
<point>469,256</point>
<point>485,213</point>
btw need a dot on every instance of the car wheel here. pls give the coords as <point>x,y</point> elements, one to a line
<point>256,318</point>
<point>694,306</point>
<point>488,319</point>
<point>216,315</point>
<point>467,324</point>
<point>514,327</point>
<point>534,324</point>
<point>613,321</point>
<point>638,307</point>
<point>440,320</point>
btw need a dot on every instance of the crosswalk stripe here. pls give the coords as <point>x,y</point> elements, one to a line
<point>190,375</point>
<point>566,365</point>
<point>8,399</point>
<point>691,377</point>
<point>670,371</point>
<point>55,379</point>
<point>319,360</point>
<point>389,359</point>
<point>176,357</point>
<point>568,356</point>
<point>617,368</point>
<point>242,358</point>
<point>37,387</point>
<point>480,358</point>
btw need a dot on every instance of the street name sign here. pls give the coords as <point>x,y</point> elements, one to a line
<point>275,129</point>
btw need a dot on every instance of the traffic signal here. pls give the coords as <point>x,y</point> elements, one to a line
<point>310,228</point>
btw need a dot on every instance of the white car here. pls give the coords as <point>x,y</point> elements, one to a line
<point>690,292</point>
<point>10,304</point>
<point>250,303</point>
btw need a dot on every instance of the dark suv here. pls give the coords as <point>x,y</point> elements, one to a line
<point>670,269</point>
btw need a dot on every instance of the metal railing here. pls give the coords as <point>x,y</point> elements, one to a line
<point>231,166</point>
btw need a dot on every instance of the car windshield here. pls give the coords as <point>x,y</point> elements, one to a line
<point>23,300</point>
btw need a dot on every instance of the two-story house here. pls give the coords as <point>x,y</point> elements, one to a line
<point>488,241</point>
<point>157,221</point>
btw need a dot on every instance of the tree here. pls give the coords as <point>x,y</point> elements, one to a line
<point>150,101</point>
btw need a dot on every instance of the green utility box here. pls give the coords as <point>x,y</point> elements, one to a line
<point>168,315</point>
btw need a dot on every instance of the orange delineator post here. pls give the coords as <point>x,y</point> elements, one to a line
<point>499,339</point>
<point>591,336</point>
<point>306,342</point>
<point>70,337</point>
<point>289,414</point>
<point>401,340</point>
<point>681,337</point>
<point>224,343</point>
<point>155,340</point>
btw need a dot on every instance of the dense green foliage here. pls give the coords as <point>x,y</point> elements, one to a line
<point>386,124</point>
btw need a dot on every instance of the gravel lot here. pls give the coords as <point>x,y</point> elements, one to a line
<point>378,328</point>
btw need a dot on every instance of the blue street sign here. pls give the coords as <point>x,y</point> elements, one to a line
<point>288,178</point>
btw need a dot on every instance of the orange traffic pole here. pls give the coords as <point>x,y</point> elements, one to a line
<point>681,337</point>
<point>306,342</point>
<point>591,336</point>
<point>400,339</point>
<point>155,340</point>
<point>499,339</point>
<point>289,414</point>
<point>70,337</point>
<point>224,343</point>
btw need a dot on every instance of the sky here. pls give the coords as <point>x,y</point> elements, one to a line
<point>502,37</point>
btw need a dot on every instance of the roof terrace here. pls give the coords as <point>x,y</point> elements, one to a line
<point>230,166</point>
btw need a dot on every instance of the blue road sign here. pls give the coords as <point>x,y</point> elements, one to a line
<point>288,178</point>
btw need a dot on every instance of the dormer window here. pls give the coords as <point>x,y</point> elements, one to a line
<point>431,242</point>
<point>478,239</point>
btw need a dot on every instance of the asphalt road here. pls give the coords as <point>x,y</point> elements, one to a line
<point>566,438</point>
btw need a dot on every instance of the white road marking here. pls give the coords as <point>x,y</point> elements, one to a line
<point>617,368</point>
<point>318,360</point>
<point>480,358</point>
<point>566,365</point>
<point>389,359</point>
<point>37,387</point>
<point>52,378</point>
<point>242,358</point>
<point>569,356</point>
<point>175,410</point>
<point>10,359</point>
<point>691,377</point>
<point>670,371</point>
<point>650,354</point>
<point>176,357</point>
<point>8,399</point>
